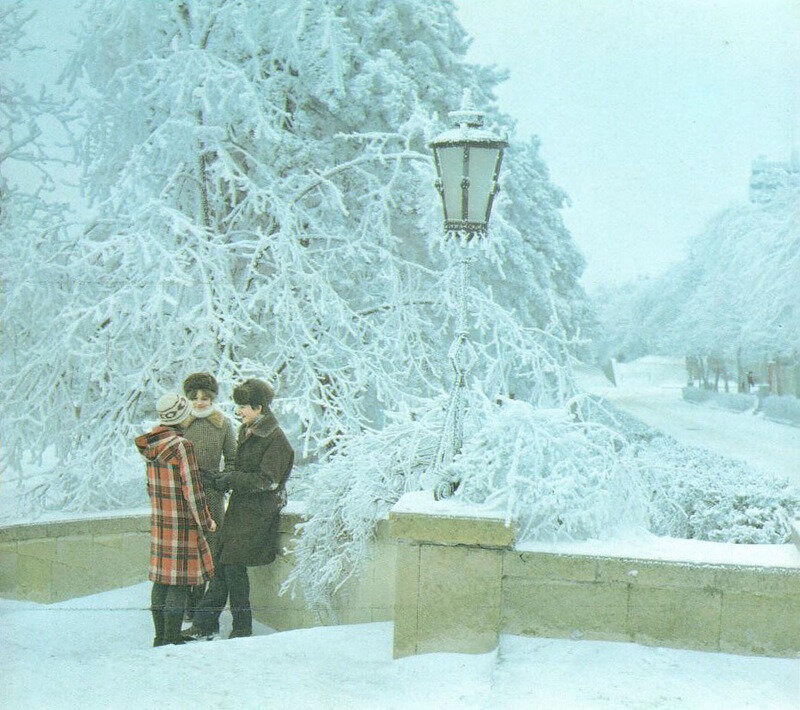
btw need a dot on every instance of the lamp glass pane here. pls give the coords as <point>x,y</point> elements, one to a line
<point>451,163</point>
<point>481,170</point>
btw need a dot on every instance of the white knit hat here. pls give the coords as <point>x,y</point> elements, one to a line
<point>172,408</point>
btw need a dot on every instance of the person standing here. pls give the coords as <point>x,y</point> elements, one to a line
<point>214,441</point>
<point>249,532</point>
<point>179,553</point>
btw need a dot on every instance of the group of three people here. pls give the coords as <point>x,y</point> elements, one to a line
<point>192,461</point>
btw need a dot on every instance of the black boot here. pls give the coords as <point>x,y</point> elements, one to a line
<point>196,593</point>
<point>173,621</point>
<point>158,624</point>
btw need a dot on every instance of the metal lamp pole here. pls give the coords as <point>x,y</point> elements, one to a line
<point>467,159</point>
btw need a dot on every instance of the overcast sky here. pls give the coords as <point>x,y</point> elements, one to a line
<point>650,112</point>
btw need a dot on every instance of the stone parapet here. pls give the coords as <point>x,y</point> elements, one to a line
<point>455,594</point>
<point>417,518</point>
<point>732,607</point>
<point>448,576</point>
<point>452,579</point>
<point>365,597</point>
<point>52,561</point>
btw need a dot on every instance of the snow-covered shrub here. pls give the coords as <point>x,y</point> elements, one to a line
<point>350,492</point>
<point>701,495</point>
<point>581,470</point>
<point>782,409</point>
<point>553,471</point>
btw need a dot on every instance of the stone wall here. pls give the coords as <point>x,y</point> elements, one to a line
<point>362,599</point>
<point>453,580</point>
<point>461,582</point>
<point>48,562</point>
<point>712,607</point>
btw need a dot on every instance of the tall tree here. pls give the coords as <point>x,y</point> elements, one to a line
<point>734,295</point>
<point>264,201</point>
<point>32,224</point>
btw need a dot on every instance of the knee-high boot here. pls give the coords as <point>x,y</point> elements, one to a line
<point>173,614</point>
<point>157,598</point>
<point>173,620</point>
<point>159,626</point>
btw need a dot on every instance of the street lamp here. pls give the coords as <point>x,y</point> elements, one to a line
<point>467,162</point>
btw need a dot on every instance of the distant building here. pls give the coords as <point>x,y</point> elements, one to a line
<point>767,176</point>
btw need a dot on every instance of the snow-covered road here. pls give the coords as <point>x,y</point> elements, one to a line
<point>652,393</point>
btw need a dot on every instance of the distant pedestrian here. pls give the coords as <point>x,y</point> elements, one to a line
<point>249,532</point>
<point>179,553</point>
<point>214,441</point>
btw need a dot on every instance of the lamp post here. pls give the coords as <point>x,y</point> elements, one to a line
<point>467,160</point>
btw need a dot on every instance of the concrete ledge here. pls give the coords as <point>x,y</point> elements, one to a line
<point>417,517</point>
<point>448,576</point>
<point>688,594</point>
<point>51,561</point>
<point>453,581</point>
<point>681,593</point>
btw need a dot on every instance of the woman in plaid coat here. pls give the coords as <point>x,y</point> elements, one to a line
<point>179,553</point>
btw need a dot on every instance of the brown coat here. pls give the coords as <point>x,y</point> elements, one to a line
<point>264,459</point>
<point>214,441</point>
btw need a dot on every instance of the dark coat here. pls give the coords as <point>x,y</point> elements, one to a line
<point>179,552</point>
<point>264,459</point>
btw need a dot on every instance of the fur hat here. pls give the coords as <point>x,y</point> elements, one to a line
<point>200,381</point>
<point>172,408</point>
<point>253,392</point>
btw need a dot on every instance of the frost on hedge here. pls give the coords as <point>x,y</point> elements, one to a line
<point>581,470</point>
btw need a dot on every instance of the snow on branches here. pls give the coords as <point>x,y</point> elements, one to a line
<point>265,207</point>
<point>734,295</point>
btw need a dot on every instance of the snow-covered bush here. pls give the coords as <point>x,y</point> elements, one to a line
<point>581,470</point>
<point>701,495</point>
<point>351,491</point>
<point>555,472</point>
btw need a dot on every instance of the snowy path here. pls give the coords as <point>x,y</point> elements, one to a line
<point>768,446</point>
<point>94,652</point>
<point>651,391</point>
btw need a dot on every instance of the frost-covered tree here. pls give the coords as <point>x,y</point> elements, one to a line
<point>745,298</point>
<point>735,294</point>
<point>32,221</point>
<point>263,191</point>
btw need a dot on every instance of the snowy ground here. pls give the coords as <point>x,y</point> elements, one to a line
<point>94,652</point>
<point>650,389</point>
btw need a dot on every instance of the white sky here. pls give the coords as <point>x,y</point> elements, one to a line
<point>650,111</point>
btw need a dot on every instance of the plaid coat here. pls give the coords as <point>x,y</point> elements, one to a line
<point>179,552</point>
